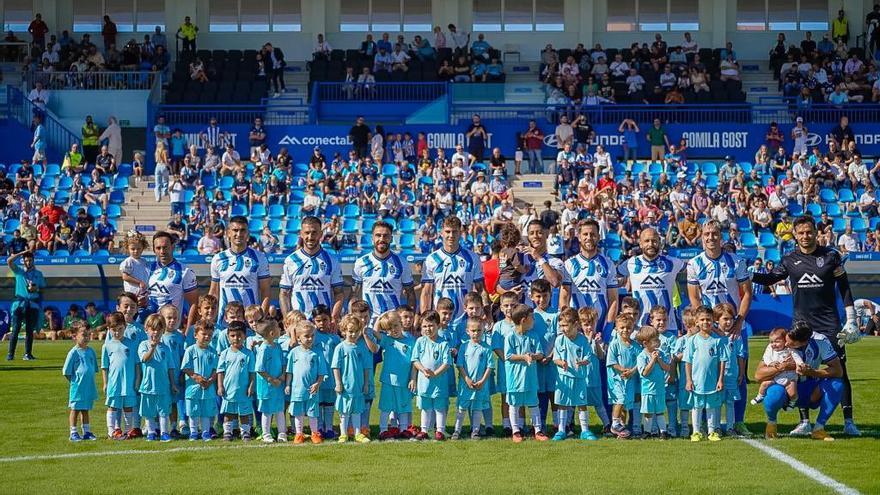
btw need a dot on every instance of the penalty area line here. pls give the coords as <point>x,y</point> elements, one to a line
<point>808,471</point>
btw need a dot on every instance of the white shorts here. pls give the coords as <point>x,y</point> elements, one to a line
<point>518,156</point>
<point>785,378</point>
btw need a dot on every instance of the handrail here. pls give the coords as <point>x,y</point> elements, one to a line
<point>380,91</point>
<point>58,137</point>
<point>98,80</point>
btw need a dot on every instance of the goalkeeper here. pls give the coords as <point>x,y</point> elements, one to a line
<point>817,275</point>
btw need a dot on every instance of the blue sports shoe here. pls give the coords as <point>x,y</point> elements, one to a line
<point>193,436</point>
<point>207,436</point>
<point>152,437</point>
<point>330,434</point>
<point>89,436</point>
<point>165,437</point>
<point>559,436</point>
<point>74,437</point>
<point>587,435</point>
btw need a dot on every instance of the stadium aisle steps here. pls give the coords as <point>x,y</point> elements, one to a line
<point>534,189</point>
<point>141,208</point>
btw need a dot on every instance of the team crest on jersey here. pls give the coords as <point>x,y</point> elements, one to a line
<point>247,263</point>
<point>404,348</point>
<point>436,355</point>
<point>820,262</point>
<point>711,352</point>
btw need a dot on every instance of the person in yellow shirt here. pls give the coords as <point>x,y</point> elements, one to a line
<point>784,235</point>
<point>187,33</point>
<point>90,143</point>
<point>840,27</point>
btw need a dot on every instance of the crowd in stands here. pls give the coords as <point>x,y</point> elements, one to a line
<point>56,325</point>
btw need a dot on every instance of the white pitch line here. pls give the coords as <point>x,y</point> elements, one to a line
<point>76,455</point>
<point>808,471</point>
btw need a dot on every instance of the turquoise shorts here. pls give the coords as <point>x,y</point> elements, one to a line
<point>433,403</point>
<point>395,399</point>
<point>524,399</point>
<point>685,398</point>
<point>237,408</point>
<point>500,379</point>
<point>493,388</point>
<point>570,391</point>
<point>155,405</point>
<point>653,404</point>
<point>81,405</point>
<point>477,403</point>
<point>121,402</point>
<point>349,403</point>
<point>547,374</point>
<point>621,392</point>
<point>308,407</point>
<point>270,406</point>
<point>708,401</point>
<point>371,384</point>
<point>594,397</point>
<point>326,396</point>
<point>201,408</point>
<point>731,393</point>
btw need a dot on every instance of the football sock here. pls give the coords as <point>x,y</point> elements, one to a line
<point>281,422</point>
<point>313,424</point>
<point>328,417</point>
<point>603,415</point>
<point>513,413</point>
<point>86,428</point>
<point>266,423</point>
<point>365,415</point>
<point>72,430</point>
<point>193,425</point>
<point>441,420</point>
<point>636,417</point>
<point>135,419</point>
<point>404,420</point>
<point>383,421</point>
<point>459,419</point>
<point>129,420</point>
<point>245,428</point>
<point>584,420</point>
<point>729,411</point>
<point>164,424</point>
<point>661,422</point>
<point>805,414</point>
<point>206,425</point>
<point>476,419</point>
<point>227,427</point>
<point>343,424</point>
<point>712,419</point>
<point>111,422</point>
<point>560,420</point>
<point>488,416</point>
<point>537,421</point>
<point>505,422</point>
<point>355,421</point>
<point>298,424</point>
<point>425,420</point>
<point>672,411</point>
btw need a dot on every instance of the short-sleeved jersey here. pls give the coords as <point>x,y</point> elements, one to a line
<point>536,272</point>
<point>325,344</point>
<point>304,367</point>
<point>652,283</point>
<point>813,279</point>
<point>119,358</point>
<point>452,275</point>
<point>589,280</point>
<point>818,351</point>
<point>238,276</point>
<point>80,367</point>
<point>431,355</point>
<point>718,278</point>
<point>705,354</point>
<point>237,367</point>
<point>475,359</point>
<point>137,268</point>
<point>154,373</point>
<point>202,362</point>
<point>134,331</point>
<point>621,354</point>
<point>311,279</point>
<point>654,383</point>
<point>572,352</point>
<point>269,362</point>
<point>735,351</point>
<point>168,284</point>
<point>175,341</point>
<point>545,329</point>
<point>520,376</point>
<point>396,359</point>
<point>348,360</point>
<point>382,281</point>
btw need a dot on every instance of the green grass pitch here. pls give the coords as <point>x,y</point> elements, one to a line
<point>34,448</point>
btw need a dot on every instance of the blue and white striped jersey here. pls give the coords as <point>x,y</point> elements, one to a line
<point>536,271</point>
<point>382,281</point>
<point>719,278</point>
<point>238,276</point>
<point>652,283</point>
<point>311,279</point>
<point>453,275</point>
<point>588,280</point>
<point>167,284</point>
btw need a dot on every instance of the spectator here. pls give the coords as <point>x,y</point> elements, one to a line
<point>481,49</point>
<point>383,62</point>
<point>39,96</point>
<point>159,38</point>
<point>658,139</point>
<point>104,233</point>
<point>842,134</point>
<point>840,27</point>
<point>784,232</point>
<point>534,143</point>
<point>369,48</point>
<point>423,48</point>
<point>461,70</point>
<point>275,59</point>
<point>197,71</point>
<point>108,32</point>
<point>38,30</point>
<point>322,49</point>
<point>209,244</point>
<point>689,46</point>
<point>477,137</point>
<point>187,33</point>
<point>460,40</point>
<point>359,135</point>
<point>105,163</point>
<point>74,163</point>
<point>439,38</point>
<point>399,59</point>
<point>730,69</point>
<point>848,242</point>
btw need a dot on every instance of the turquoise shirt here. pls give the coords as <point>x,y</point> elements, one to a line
<point>519,375</point>
<point>545,329</point>
<point>237,367</point>
<point>203,362</point>
<point>154,373</point>
<point>654,383</point>
<point>304,367</point>
<point>475,359</point>
<point>705,355</point>
<point>22,277</point>
<point>621,354</point>
<point>572,351</point>
<point>735,351</point>
<point>431,355</point>
<point>269,362</point>
<point>396,359</point>
<point>80,367</point>
<point>325,344</point>
<point>350,363</point>
<point>119,358</point>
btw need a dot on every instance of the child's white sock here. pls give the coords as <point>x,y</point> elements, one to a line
<point>111,422</point>
<point>661,422</point>
<point>135,418</point>
<point>193,425</point>
<point>404,420</point>
<point>266,423</point>
<point>521,418</point>
<point>584,420</point>
<point>343,424</point>
<point>603,415</point>
<point>488,416</point>
<point>151,425</point>
<point>383,421</point>
<point>476,419</point>
<point>697,419</point>
<point>513,412</point>
<point>206,425</point>
<point>426,420</point>
<point>537,420</point>
<point>164,424</point>
<point>505,422</point>
<point>281,423</point>
<point>73,430</point>
<point>298,424</point>
<point>560,420</point>
<point>459,419</point>
<point>245,428</point>
<point>393,419</point>
<point>356,421</point>
<point>712,419</point>
<point>227,427</point>
<point>129,420</point>
<point>313,424</point>
<point>86,428</point>
<point>441,420</point>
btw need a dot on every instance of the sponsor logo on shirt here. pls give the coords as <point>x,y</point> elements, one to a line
<point>589,285</point>
<point>236,280</point>
<point>653,282</point>
<point>161,289</point>
<point>810,281</point>
<point>453,281</point>
<point>310,284</point>
<point>382,286</point>
<point>716,287</point>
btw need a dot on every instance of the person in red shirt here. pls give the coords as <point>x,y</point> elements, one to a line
<point>53,212</point>
<point>607,182</point>
<point>108,32</point>
<point>492,272</point>
<point>534,139</point>
<point>46,235</point>
<point>38,30</point>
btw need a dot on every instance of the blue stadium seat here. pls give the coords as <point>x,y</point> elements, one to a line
<point>833,210</point>
<point>407,241</point>
<point>300,169</point>
<point>125,170</point>
<point>711,182</point>
<point>117,197</point>
<point>61,197</point>
<point>190,252</point>
<point>614,253</point>
<point>351,211</point>
<point>294,225</point>
<point>366,242</point>
<point>845,195</point>
<point>795,210</point>
<point>746,167</point>
<point>827,196</point>
<point>52,170</point>
<point>226,182</point>
<point>637,168</point>
<point>743,224</point>
<point>612,240</point>
<point>255,225</point>
<point>121,183</point>
<point>209,181</point>
<point>749,240</point>
<point>62,252</point>
<point>859,225</point>
<point>258,211</point>
<point>772,254</point>
<point>38,169</point>
<point>350,226</point>
<point>64,183</point>
<point>11,225</point>
<point>332,211</point>
<point>114,211</point>
<point>390,170</point>
<point>814,209</point>
<point>276,211</point>
<point>275,224</point>
<point>102,252</point>
<point>297,195</point>
<point>95,211</point>
<point>238,210</point>
<point>289,241</point>
<point>81,252</point>
<point>367,225</point>
<point>709,168</point>
<point>42,252</point>
<point>838,225</point>
<point>874,222</point>
<point>294,210</point>
<point>766,239</point>
<point>407,226</point>
<point>655,168</point>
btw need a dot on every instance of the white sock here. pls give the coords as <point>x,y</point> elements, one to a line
<point>521,419</point>
<point>313,424</point>
<point>603,415</point>
<point>86,428</point>
<point>151,425</point>
<point>343,424</point>
<point>206,425</point>
<point>712,419</point>
<point>432,419</point>
<point>513,412</point>
<point>537,421</point>
<point>164,424</point>
<point>425,419</point>
<point>561,420</point>
<point>136,418</point>
<point>459,419</point>
<point>661,422</point>
<point>393,419</point>
<point>266,423</point>
<point>245,428</point>
<point>404,420</point>
<point>129,420</point>
<point>281,423</point>
<point>383,421</point>
<point>356,421</point>
<point>73,430</point>
<point>111,422</point>
<point>227,427</point>
<point>696,419</point>
<point>488,416</point>
<point>476,419</point>
<point>298,424</point>
<point>584,420</point>
<point>441,420</point>
<point>193,425</point>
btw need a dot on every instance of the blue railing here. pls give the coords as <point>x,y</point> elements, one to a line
<point>385,91</point>
<point>740,113</point>
<point>130,80</point>
<point>230,114</point>
<point>58,137</point>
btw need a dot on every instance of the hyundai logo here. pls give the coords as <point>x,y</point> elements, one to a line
<point>813,139</point>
